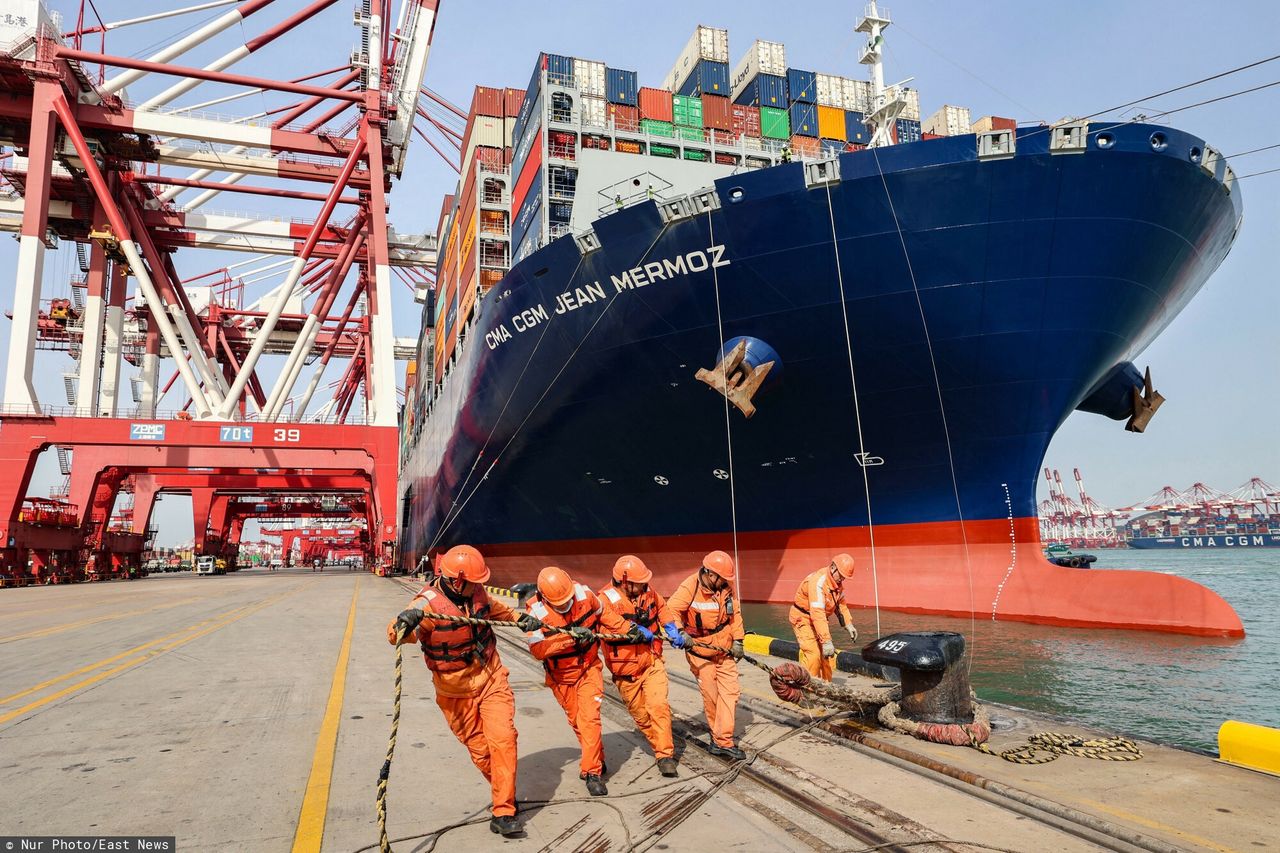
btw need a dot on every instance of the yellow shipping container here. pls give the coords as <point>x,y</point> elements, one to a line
<point>831,123</point>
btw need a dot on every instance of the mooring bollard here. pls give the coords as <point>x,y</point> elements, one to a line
<point>935,686</point>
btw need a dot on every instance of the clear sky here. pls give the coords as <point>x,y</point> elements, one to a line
<point>1216,364</point>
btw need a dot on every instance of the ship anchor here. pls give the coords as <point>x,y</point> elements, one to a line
<point>736,379</point>
<point>1146,401</point>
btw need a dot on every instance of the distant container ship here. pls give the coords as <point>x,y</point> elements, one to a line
<point>1209,540</point>
<point>790,319</point>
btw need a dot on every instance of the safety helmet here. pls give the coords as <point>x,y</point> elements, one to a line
<point>631,569</point>
<point>843,564</point>
<point>720,563</point>
<point>463,561</point>
<point>555,586</point>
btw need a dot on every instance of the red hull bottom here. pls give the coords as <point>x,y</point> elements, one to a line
<point>999,573</point>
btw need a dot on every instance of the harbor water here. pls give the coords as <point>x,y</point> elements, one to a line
<point>1162,687</point>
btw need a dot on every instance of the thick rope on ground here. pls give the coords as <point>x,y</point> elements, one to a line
<point>1043,747</point>
<point>954,734</point>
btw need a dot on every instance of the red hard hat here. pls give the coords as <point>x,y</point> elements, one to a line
<point>555,586</point>
<point>631,569</point>
<point>720,563</point>
<point>843,564</point>
<point>463,561</point>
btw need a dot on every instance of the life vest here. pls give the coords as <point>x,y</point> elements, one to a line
<point>451,646</point>
<point>626,659</point>
<point>707,616</point>
<point>581,614</point>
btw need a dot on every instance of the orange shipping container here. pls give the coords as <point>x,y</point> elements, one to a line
<point>831,123</point>
<point>806,146</point>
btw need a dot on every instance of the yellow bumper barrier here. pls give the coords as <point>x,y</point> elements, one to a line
<point>1249,745</point>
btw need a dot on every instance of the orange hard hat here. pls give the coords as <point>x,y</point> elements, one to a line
<point>720,563</point>
<point>631,569</point>
<point>463,561</point>
<point>843,564</point>
<point>555,586</point>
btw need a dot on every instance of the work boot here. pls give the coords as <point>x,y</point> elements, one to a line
<point>667,767</point>
<point>727,751</point>
<point>505,825</point>
<point>595,786</point>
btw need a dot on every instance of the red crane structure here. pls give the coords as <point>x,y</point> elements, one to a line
<point>96,153</point>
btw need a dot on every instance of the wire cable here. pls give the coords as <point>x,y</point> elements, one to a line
<point>728,426</point>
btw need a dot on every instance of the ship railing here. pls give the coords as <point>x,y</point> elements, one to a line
<point>140,414</point>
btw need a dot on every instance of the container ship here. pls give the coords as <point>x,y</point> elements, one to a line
<point>772,311</point>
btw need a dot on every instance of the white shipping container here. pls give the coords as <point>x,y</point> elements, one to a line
<point>595,111</point>
<point>913,104</point>
<point>489,131</point>
<point>590,77</point>
<point>707,43</point>
<point>763,57</point>
<point>830,90</point>
<point>948,121</point>
<point>857,95</point>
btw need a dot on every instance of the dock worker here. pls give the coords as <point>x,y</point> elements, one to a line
<point>572,660</point>
<point>617,202</point>
<point>637,668</point>
<point>818,596</point>
<point>471,683</point>
<point>710,632</point>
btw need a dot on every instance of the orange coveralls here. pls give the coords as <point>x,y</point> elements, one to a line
<point>575,674</point>
<point>711,618</point>
<point>817,598</point>
<point>638,670</point>
<point>471,685</point>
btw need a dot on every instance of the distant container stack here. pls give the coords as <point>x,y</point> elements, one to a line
<point>948,121</point>
<point>703,66</point>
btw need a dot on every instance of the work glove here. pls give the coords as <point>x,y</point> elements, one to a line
<point>581,636</point>
<point>736,651</point>
<point>527,622</point>
<point>677,637</point>
<point>408,620</point>
<point>853,633</point>
<point>828,649</point>
<point>639,634</point>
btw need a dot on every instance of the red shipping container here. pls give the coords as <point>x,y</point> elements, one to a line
<point>724,137</point>
<point>746,120</point>
<point>624,117</point>
<point>591,140</point>
<point>806,146</point>
<point>487,102</point>
<point>512,99</point>
<point>726,159</point>
<point>656,104</point>
<point>854,146</point>
<point>931,136</point>
<point>715,112</point>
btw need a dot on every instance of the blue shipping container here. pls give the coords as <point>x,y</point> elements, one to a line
<point>855,129</point>
<point>908,130</point>
<point>707,78</point>
<point>766,90</point>
<point>802,86</point>
<point>530,212</point>
<point>559,69</point>
<point>622,86</point>
<point>560,211</point>
<point>804,119</point>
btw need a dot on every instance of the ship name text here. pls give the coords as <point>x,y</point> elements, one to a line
<point>666,269</point>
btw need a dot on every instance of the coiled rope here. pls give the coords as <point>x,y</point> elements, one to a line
<point>1054,744</point>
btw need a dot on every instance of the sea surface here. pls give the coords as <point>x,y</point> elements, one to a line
<point>1162,687</point>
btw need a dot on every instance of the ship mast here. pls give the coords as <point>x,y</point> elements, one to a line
<point>886,104</point>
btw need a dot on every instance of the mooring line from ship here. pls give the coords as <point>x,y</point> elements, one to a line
<point>449,521</point>
<point>942,408</point>
<point>857,409</point>
<point>728,424</point>
<point>498,420</point>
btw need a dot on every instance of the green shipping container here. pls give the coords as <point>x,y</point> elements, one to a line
<point>695,155</point>
<point>662,151</point>
<point>657,128</point>
<point>775,123</point>
<point>687,110</point>
<point>693,134</point>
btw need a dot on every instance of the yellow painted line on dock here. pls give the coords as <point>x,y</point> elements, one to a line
<point>143,658</point>
<point>80,623</point>
<point>315,803</point>
<point>1161,827</point>
<point>105,661</point>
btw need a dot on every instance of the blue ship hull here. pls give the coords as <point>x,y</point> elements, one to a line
<point>974,304</point>
<point>1215,540</point>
